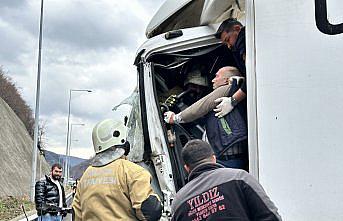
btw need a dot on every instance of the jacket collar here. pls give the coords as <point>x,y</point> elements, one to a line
<point>108,156</point>
<point>240,42</point>
<point>49,179</point>
<point>201,168</point>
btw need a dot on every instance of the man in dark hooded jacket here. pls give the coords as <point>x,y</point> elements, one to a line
<point>232,33</point>
<point>217,193</point>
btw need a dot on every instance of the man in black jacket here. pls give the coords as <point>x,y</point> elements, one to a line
<point>217,193</point>
<point>232,33</point>
<point>50,196</point>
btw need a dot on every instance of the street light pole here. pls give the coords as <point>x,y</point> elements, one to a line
<point>35,136</point>
<point>68,155</point>
<point>68,128</point>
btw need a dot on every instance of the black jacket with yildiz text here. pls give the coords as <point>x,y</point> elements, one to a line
<point>47,196</point>
<point>216,193</point>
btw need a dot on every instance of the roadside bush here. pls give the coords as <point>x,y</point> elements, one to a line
<point>10,94</point>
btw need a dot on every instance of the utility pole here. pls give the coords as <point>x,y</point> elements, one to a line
<point>35,137</point>
<point>67,169</point>
<point>68,132</point>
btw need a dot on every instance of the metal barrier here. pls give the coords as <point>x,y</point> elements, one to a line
<point>34,217</point>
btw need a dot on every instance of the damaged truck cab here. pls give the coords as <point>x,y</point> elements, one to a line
<point>294,93</point>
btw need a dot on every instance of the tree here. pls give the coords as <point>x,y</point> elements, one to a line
<point>10,94</point>
<point>41,137</point>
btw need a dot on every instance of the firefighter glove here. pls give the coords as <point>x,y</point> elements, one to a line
<point>224,107</point>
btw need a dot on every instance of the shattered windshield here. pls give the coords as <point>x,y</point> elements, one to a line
<point>135,132</point>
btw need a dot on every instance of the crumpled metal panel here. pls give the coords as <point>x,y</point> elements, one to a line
<point>135,132</point>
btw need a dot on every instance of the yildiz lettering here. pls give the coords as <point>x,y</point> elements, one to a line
<point>205,204</point>
<point>203,198</point>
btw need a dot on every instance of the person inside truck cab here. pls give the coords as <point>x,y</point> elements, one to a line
<point>227,135</point>
<point>232,33</point>
<point>195,87</point>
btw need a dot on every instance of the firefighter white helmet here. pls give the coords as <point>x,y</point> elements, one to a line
<point>109,133</point>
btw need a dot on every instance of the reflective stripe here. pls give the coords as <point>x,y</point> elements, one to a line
<point>225,125</point>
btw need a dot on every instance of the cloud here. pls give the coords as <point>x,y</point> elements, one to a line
<point>111,77</point>
<point>87,44</point>
<point>96,25</point>
<point>10,51</point>
<point>12,3</point>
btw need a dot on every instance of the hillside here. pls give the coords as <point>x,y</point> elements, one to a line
<point>77,171</point>
<point>16,155</point>
<point>52,158</point>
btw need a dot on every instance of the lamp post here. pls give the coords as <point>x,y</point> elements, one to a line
<point>68,127</point>
<point>67,169</point>
<point>35,136</point>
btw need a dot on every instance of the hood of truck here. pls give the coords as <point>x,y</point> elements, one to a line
<point>180,14</point>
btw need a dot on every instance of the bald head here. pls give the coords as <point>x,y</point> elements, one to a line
<point>223,75</point>
<point>229,71</point>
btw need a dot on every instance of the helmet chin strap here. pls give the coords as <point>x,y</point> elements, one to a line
<point>126,147</point>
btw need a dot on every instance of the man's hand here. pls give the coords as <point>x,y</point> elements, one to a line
<point>237,78</point>
<point>224,107</point>
<point>169,117</point>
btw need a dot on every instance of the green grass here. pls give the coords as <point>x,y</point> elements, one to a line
<point>11,207</point>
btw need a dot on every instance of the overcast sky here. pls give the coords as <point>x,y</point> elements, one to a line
<point>87,44</point>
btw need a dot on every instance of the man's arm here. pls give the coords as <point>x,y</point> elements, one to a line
<point>261,208</point>
<point>239,95</point>
<point>144,201</point>
<point>226,104</point>
<point>40,195</point>
<point>201,107</point>
<point>64,197</point>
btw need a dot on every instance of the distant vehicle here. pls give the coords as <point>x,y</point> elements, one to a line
<point>295,93</point>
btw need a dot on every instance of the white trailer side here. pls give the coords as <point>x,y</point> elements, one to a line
<point>296,106</point>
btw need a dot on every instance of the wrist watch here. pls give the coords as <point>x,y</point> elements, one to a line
<point>234,102</point>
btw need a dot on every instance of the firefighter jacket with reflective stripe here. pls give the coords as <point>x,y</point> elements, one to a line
<point>120,190</point>
<point>216,193</point>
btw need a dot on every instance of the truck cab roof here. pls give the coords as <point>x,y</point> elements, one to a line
<point>180,14</point>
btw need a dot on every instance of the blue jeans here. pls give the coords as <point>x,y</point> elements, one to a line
<point>238,163</point>
<point>48,217</point>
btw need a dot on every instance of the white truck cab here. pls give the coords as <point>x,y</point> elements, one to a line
<point>294,96</point>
